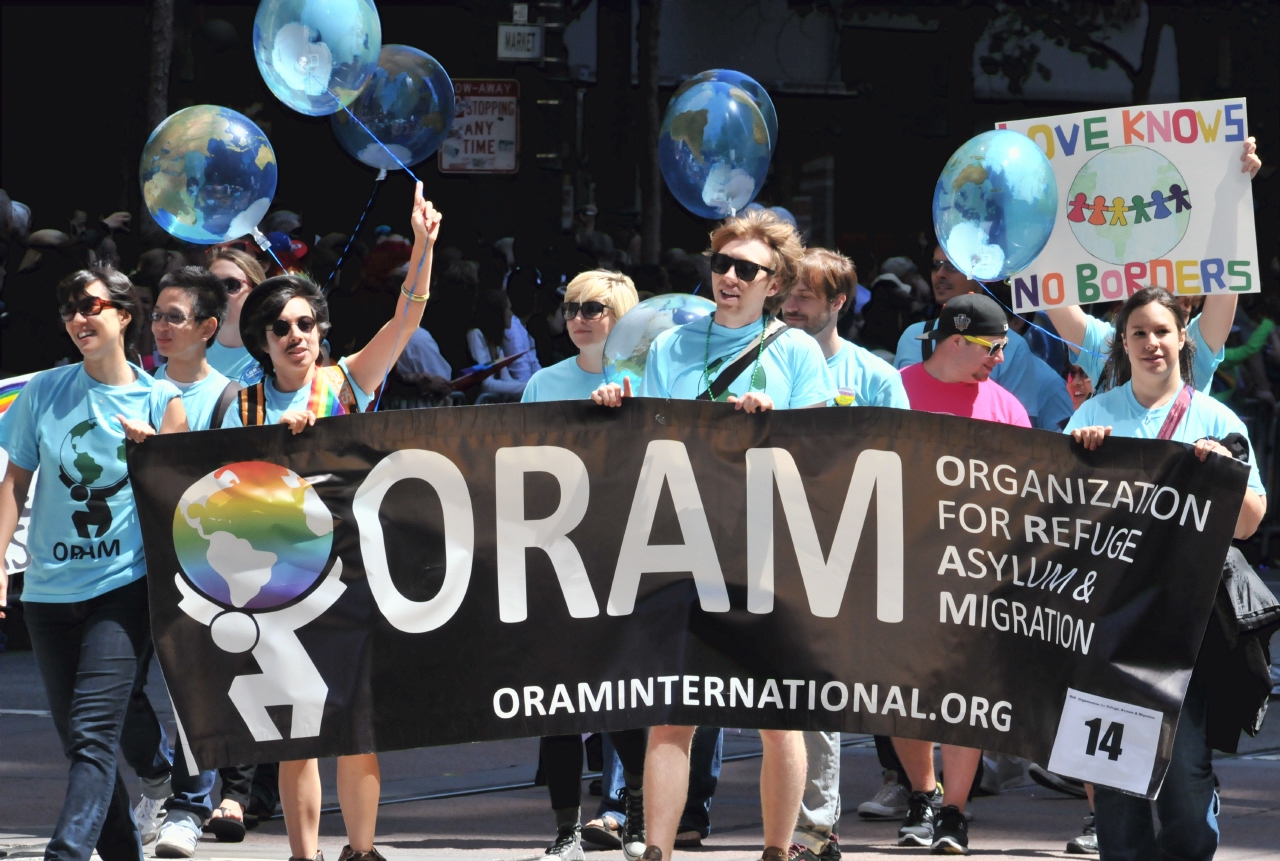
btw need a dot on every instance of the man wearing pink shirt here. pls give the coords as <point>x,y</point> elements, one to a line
<point>969,343</point>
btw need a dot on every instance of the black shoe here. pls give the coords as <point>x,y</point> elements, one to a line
<point>1087,842</point>
<point>831,852</point>
<point>568,846</point>
<point>800,852</point>
<point>349,854</point>
<point>921,809</point>
<point>633,844</point>
<point>1056,782</point>
<point>950,832</point>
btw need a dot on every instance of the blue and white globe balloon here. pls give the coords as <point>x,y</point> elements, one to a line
<point>407,106</point>
<point>208,174</point>
<point>752,88</point>
<point>316,55</point>
<point>714,148</point>
<point>995,205</point>
<point>626,350</point>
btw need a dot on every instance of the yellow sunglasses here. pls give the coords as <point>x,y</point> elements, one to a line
<point>993,347</point>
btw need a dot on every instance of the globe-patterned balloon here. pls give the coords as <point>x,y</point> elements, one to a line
<point>208,174</point>
<point>753,89</point>
<point>316,55</point>
<point>714,148</point>
<point>626,350</point>
<point>252,535</point>
<point>408,107</point>
<point>84,466</point>
<point>995,205</point>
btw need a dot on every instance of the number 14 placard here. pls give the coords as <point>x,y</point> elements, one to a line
<point>1106,741</point>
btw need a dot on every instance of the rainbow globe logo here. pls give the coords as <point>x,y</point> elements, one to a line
<point>252,535</point>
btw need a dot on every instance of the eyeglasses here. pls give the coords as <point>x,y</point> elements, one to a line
<point>281,328</point>
<point>944,263</point>
<point>89,306</point>
<point>173,318</point>
<point>745,269</point>
<point>993,347</point>
<point>589,310</point>
<point>234,285</point>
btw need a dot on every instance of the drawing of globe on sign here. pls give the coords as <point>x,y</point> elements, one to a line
<point>1129,204</point>
<point>252,535</point>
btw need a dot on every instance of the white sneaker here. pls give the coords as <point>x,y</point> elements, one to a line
<point>149,815</point>
<point>889,803</point>
<point>178,836</point>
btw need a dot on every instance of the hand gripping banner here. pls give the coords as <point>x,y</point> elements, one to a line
<point>431,577</point>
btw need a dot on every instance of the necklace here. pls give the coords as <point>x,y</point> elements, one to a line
<point>706,357</point>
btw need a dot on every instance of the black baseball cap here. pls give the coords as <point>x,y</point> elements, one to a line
<point>968,314</point>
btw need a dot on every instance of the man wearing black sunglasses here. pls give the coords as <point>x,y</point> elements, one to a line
<point>743,355</point>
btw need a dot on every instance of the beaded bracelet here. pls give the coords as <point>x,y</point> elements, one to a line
<point>412,296</point>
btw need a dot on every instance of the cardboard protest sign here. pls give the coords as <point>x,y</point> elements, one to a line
<point>1149,195</point>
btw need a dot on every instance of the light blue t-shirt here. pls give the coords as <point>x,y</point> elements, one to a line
<point>792,372</point>
<point>1205,417</point>
<point>1097,349</point>
<point>1015,373</point>
<point>1054,406</point>
<point>199,398</point>
<point>84,538</point>
<point>279,403</point>
<point>563,381</point>
<point>234,363</point>
<point>866,380</point>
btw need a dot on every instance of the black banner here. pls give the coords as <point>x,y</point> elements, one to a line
<point>437,576</point>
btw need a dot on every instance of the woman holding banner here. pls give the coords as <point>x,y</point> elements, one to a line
<point>282,323</point>
<point>1154,399</point>
<point>85,592</point>
<point>593,303</point>
<point>743,355</point>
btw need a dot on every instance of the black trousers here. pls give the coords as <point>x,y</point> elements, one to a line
<point>562,763</point>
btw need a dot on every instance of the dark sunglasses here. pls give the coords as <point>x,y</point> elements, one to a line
<point>173,318</point>
<point>234,285</point>
<point>746,270</point>
<point>944,263</point>
<point>89,306</point>
<point>589,310</point>
<point>282,328</point>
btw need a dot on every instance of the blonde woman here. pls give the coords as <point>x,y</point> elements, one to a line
<point>593,303</point>
<point>227,355</point>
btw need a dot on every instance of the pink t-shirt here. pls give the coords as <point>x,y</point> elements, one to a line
<point>987,400</point>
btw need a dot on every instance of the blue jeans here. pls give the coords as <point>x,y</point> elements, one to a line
<point>1187,803</point>
<point>704,775</point>
<point>88,655</point>
<point>191,793</point>
<point>143,739</point>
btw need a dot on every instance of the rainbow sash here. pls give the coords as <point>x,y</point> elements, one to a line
<point>331,395</point>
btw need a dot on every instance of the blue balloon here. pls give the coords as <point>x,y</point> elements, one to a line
<point>745,82</point>
<point>626,350</point>
<point>316,55</point>
<point>408,107</point>
<point>714,148</point>
<point>208,174</point>
<point>995,205</point>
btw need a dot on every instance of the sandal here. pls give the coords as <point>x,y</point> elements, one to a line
<point>604,831</point>
<point>226,826</point>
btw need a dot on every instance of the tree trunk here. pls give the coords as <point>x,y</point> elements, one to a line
<point>651,123</point>
<point>161,59</point>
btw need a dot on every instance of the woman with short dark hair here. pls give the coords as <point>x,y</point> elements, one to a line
<point>84,596</point>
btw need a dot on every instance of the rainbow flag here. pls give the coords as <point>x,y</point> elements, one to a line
<point>9,388</point>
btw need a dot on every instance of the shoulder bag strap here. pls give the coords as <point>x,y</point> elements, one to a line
<point>252,406</point>
<point>229,394</point>
<point>1176,412</point>
<point>727,375</point>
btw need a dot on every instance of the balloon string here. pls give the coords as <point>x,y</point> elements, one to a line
<point>377,184</point>
<point>404,317</point>
<point>265,245</point>
<point>375,137</point>
<point>1079,347</point>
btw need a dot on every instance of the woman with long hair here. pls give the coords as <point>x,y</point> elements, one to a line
<point>239,273</point>
<point>1154,397</point>
<point>84,594</point>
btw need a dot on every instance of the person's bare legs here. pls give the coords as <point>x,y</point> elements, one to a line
<point>666,784</point>
<point>359,788</point>
<point>782,775</point>
<point>916,757</point>
<point>300,801</point>
<point>959,764</point>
